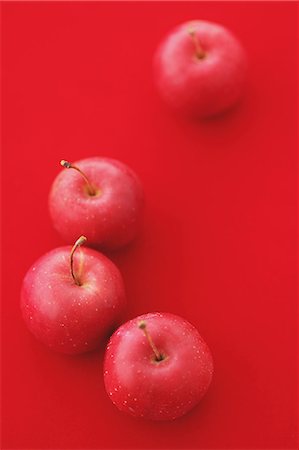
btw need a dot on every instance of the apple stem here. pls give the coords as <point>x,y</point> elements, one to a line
<point>199,52</point>
<point>68,165</point>
<point>142,326</point>
<point>77,244</point>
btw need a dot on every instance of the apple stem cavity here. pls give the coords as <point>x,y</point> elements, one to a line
<point>199,52</point>
<point>90,189</point>
<point>77,244</point>
<point>158,355</point>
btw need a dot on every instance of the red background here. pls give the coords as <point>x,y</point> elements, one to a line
<point>218,243</point>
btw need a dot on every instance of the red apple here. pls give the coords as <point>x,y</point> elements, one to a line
<point>157,366</point>
<point>102,199</point>
<point>72,300</point>
<point>200,68</point>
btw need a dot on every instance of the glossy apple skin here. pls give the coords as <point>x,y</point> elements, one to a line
<point>66,317</point>
<point>111,218</point>
<point>164,390</point>
<point>200,87</point>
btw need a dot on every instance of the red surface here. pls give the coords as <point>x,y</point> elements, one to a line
<point>218,243</point>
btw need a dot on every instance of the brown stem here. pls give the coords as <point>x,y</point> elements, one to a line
<point>77,244</point>
<point>142,326</point>
<point>68,165</point>
<point>199,51</point>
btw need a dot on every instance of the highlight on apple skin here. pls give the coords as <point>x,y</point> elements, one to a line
<point>200,69</point>
<point>73,299</point>
<point>157,366</point>
<point>101,198</point>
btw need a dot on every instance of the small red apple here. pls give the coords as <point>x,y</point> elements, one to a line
<point>157,366</point>
<point>72,300</point>
<point>101,198</point>
<point>200,68</point>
